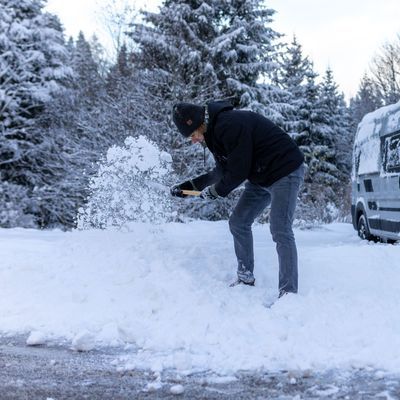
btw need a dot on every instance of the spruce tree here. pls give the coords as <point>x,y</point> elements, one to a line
<point>88,79</point>
<point>292,77</point>
<point>32,65</point>
<point>304,119</point>
<point>210,50</point>
<point>245,51</point>
<point>175,43</point>
<point>328,175</point>
<point>99,55</point>
<point>337,119</point>
<point>119,72</point>
<point>81,123</point>
<point>321,175</point>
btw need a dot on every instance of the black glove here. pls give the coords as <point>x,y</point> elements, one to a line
<point>177,189</point>
<point>209,193</point>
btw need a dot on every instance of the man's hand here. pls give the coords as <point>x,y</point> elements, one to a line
<point>177,189</point>
<point>209,193</point>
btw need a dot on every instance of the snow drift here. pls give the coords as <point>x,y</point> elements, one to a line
<point>163,293</point>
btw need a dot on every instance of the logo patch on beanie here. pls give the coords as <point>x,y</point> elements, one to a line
<point>189,122</point>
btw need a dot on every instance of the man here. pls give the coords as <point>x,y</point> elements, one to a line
<point>248,147</point>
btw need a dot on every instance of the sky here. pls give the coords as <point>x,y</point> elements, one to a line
<point>343,34</point>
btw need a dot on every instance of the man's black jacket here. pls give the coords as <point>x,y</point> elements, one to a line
<point>246,145</point>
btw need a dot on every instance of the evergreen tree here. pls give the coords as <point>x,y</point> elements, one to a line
<point>307,122</point>
<point>292,76</point>
<point>336,117</point>
<point>210,49</point>
<point>330,173</point>
<point>245,51</point>
<point>321,175</point>
<point>99,56</point>
<point>32,71</point>
<point>119,72</point>
<point>70,45</point>
<point>88,81</point>
<point>80,124</point>
<point>175,43</point>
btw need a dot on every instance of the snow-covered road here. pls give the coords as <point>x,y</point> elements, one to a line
<point>163,293</point>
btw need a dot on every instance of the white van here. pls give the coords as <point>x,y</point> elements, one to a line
<point>375,203</point>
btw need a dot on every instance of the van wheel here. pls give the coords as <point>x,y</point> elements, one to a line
<point>363,230</point>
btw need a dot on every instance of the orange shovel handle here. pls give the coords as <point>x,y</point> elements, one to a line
<point>191,192</point>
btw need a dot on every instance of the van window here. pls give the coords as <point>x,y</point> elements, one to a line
<point>356,161</point>
<point>392,153</point>
<point>369,156</point>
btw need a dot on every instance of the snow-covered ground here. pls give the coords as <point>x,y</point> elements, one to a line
<point>163,292</point>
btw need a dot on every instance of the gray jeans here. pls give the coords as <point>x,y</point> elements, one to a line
<point>282,196</point>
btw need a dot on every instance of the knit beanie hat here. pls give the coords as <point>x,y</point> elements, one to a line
<point>187,117</point>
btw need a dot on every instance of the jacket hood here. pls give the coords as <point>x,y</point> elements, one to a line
<point>213,109</point>
<point>216,107</point>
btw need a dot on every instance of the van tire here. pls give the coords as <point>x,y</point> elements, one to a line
<point>363,229</point>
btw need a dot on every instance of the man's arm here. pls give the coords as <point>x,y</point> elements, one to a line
<point>208,178</point>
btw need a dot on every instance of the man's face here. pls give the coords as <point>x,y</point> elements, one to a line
<point>198,135</point>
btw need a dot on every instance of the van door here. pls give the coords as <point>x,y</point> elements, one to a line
<point>389,204</point>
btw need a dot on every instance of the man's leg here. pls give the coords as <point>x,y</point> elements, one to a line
<point>250,205</point>
<point>283,203</point>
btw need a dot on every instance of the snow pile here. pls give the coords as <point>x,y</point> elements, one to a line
<point>83,341</point>
<point>36,338</point>
<point>164,295</point>
<point>177,389</point>
<point>129,187</point>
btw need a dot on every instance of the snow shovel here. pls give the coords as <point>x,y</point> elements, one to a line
<point>191,192</point>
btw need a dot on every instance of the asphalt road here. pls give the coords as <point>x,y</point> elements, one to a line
<point>56,372</point>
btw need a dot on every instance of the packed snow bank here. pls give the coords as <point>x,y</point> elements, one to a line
<point>164,290</point>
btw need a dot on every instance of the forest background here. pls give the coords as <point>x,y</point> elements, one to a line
<point>64,103</point>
